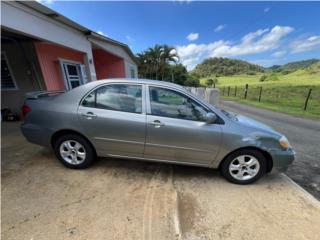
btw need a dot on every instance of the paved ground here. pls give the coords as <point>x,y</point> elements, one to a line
<point>304,136</point>
<point>123,199</point>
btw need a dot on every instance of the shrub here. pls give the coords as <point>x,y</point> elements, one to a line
<point>263,78</point>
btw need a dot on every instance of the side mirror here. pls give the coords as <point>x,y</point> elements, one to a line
<point>211,118</point>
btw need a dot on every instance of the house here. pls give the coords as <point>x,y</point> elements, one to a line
<point>43,50</point>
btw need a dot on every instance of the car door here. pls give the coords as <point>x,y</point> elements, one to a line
<point>113,116</point>
<point>176,128</point>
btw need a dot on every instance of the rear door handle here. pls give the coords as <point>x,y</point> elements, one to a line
<point>157,123</point>
<point>89,115</point>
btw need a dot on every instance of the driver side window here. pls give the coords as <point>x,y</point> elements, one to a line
<point>172,104</point>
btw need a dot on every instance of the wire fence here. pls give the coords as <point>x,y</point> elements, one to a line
<point>297,98</point>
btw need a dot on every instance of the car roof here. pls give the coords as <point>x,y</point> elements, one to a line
<point>136,80</point>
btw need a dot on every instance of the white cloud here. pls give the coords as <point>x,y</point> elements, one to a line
<point>183,1</point>
<point>102,33</point>
<point>267,9</point>
<point>260,41</point>
<point>129,38</point>
<point>220,27</point>
<point>269,62</point>
<point>45,2</point>
<point>193,36</point>
<point>304,45</point>
<point>279,54</point>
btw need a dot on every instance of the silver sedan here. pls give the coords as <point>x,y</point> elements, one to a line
<point>154,121</point>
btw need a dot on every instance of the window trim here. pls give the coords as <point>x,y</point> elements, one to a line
<point>175,90</point>
<point>15,88</point>
<point>143,98</point>
<point>134,72</point>
<point>67,83</point>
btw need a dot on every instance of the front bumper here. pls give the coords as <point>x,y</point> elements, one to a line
<point>282,159</point>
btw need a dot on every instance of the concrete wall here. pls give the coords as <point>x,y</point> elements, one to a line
<point>21,19</point>
<point>25,70</point>
<point>108,65</point>
<point>49,55</point>
<point>211,95</point>
<point>128,66</point>
<point>120,52</point>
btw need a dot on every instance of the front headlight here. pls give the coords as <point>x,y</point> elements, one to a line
<point>284,143</point>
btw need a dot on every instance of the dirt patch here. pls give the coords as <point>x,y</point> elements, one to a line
<point>187,207</point>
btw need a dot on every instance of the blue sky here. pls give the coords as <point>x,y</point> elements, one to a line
<point>265,33</point>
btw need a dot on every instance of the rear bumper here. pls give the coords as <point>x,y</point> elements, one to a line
<point>35,134</point>
<point>282,159</point>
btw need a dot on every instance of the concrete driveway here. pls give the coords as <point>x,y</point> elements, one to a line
<point>123,199</point>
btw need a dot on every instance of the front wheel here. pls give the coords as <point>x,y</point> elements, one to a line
<point>74,151</point>
<point>244,166</point>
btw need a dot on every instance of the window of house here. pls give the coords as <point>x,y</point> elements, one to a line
<point>132,72</point>
<point>72,74</point>
<point>169,103</point>
<point>117,97</point>
<point>7,79</point>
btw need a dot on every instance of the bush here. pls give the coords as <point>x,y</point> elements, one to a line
<point>263,78</point>
<point>211,82</point>
<point>273,77</point>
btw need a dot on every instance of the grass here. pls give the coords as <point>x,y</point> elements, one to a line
<point>286,94</point>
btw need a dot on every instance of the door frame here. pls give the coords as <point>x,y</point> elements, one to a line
<point>67,83</point>
<point>188,95</point>
<point>80,110</point>
<point>148,102</point>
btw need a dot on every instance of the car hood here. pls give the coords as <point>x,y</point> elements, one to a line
<point>246,121</point>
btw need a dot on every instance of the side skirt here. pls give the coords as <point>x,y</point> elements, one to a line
<point>159,160</point>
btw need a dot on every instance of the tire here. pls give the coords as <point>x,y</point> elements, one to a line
<point>74,151</point>
<point>244,166</point>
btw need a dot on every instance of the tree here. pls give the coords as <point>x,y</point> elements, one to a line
<point>155,61</point>
<point>211,82</point>
<point>193,80</point>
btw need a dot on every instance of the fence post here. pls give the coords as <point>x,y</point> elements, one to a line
<point>246,91</point>
<point>223,91</point>
<point>260,93</point>
<point>307,99</point>
<point>228,91</point>
<point>235,91</point>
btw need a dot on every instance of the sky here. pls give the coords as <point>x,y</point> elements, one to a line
<point>264,33</point>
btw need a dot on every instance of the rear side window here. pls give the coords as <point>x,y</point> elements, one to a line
<point>90,100</point>
<point>117,97</point>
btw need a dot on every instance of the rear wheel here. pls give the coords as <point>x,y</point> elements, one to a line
<point>74,151</point>
<point>244,166</point>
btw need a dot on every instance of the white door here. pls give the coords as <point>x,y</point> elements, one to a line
<point>72,74</point>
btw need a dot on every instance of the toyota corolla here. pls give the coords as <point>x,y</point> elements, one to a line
<point>152,121</point>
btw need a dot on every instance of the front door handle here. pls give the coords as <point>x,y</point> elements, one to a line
<point>157,123</point>
<point>89,115</point>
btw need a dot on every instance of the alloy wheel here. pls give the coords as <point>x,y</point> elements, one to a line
<point>244,167</point>
<point>72,152</point>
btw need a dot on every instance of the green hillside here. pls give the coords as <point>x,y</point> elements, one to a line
<point>281,91</point>
<point>294,66</point>
<point>225,67</point>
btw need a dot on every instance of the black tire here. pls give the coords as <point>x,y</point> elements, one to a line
<point>90,155</point>
<point>224,168</point>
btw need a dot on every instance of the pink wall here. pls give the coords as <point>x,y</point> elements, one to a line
<point>48,56</point>
<point>108,65</point>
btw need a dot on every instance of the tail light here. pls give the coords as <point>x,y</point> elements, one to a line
<point>25,109</point>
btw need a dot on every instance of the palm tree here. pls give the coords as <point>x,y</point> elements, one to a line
<point>168,55</point>
<point>156,60</point>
